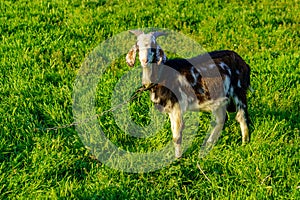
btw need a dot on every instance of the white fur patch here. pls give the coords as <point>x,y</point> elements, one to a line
<point>239,84</point>
<point>195,76</point>
<point>153,99</point>
<point>237,101</point>
<point>231,91</point>
<point>225,67</point>
<point>183,81</point>
<point>226,84</point>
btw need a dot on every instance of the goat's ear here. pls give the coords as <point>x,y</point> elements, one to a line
<point>131,55</point>
<point>136,32</point>
<point>161,56</point>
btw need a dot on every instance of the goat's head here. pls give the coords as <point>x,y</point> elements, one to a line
<point>150,54</point>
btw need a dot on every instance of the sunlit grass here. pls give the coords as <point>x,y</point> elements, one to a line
<point>42,47</point>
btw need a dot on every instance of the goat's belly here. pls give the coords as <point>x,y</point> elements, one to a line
<point>208,105</point>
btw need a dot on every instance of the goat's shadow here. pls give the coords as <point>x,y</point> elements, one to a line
<point>287,120</point>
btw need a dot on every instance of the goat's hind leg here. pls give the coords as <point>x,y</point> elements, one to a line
<point>243,118</point>
<point>242,114</point>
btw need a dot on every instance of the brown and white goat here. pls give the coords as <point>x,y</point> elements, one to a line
<point>216,82</point>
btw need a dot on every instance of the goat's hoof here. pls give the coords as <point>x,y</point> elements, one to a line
<point>178,152</point>
<point>178,156</point>
<point>245,140</point>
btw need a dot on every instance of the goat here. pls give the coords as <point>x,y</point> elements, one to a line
<point>216,82</point>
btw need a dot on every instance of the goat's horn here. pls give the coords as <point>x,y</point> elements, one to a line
<point>136,32</point>
<point>157,34</point>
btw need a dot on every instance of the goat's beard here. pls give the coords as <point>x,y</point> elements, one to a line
<point>150,76</point>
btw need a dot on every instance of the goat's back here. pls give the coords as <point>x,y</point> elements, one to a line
<point>211,76</point>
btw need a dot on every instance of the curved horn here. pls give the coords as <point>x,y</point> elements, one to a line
<point>136,32</point>
<point>157,34</point>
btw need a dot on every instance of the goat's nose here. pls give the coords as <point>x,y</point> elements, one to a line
<point>147,85</point>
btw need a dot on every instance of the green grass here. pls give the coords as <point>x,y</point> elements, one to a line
<point>42,47</point>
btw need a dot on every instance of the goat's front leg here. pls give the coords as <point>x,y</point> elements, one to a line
<point>219,115</point>
<point>176,119</point>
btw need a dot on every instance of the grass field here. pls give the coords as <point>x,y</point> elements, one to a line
<point>42,47</point>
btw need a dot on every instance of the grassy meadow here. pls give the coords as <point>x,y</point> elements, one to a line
<point>43,44</point>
